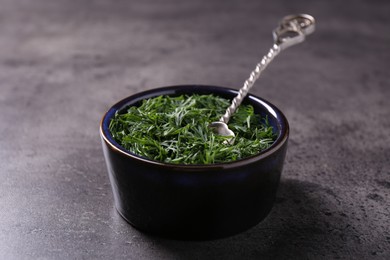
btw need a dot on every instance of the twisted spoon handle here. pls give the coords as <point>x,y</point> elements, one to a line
<point>291,30</point>
<point>248,84</point>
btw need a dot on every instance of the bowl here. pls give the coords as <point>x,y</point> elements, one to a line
<point>195,202</point>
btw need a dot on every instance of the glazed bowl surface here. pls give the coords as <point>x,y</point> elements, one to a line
<point>195,202</point>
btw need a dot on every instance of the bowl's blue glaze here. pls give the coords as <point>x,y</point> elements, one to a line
<point>195,201</point>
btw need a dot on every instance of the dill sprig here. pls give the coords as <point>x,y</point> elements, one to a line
<point>175,130</point>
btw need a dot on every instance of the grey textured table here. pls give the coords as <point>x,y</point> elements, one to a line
<point>63,63</point>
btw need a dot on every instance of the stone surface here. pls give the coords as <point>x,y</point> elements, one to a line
<point>63,63</point>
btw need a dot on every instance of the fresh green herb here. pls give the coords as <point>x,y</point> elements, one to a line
<point>175,130</point>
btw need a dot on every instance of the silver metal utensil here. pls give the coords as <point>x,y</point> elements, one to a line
<point>291,30</point>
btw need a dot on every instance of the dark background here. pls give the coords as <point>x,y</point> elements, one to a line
<point>64,63</point>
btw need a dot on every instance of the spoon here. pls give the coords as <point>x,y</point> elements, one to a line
<point>291,30</point>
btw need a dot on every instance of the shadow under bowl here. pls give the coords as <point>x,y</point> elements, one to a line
<point>195,202</point>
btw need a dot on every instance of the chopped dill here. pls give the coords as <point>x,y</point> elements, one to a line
<point>175,130</point>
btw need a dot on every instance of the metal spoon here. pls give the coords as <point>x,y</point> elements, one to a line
<point>291,30</point>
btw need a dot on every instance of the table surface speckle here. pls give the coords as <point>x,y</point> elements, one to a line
<point>64,63</point>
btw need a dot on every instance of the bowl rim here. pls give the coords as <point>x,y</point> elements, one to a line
<point>272,109</point>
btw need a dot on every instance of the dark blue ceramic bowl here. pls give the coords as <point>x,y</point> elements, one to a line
<point>195,201</point>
